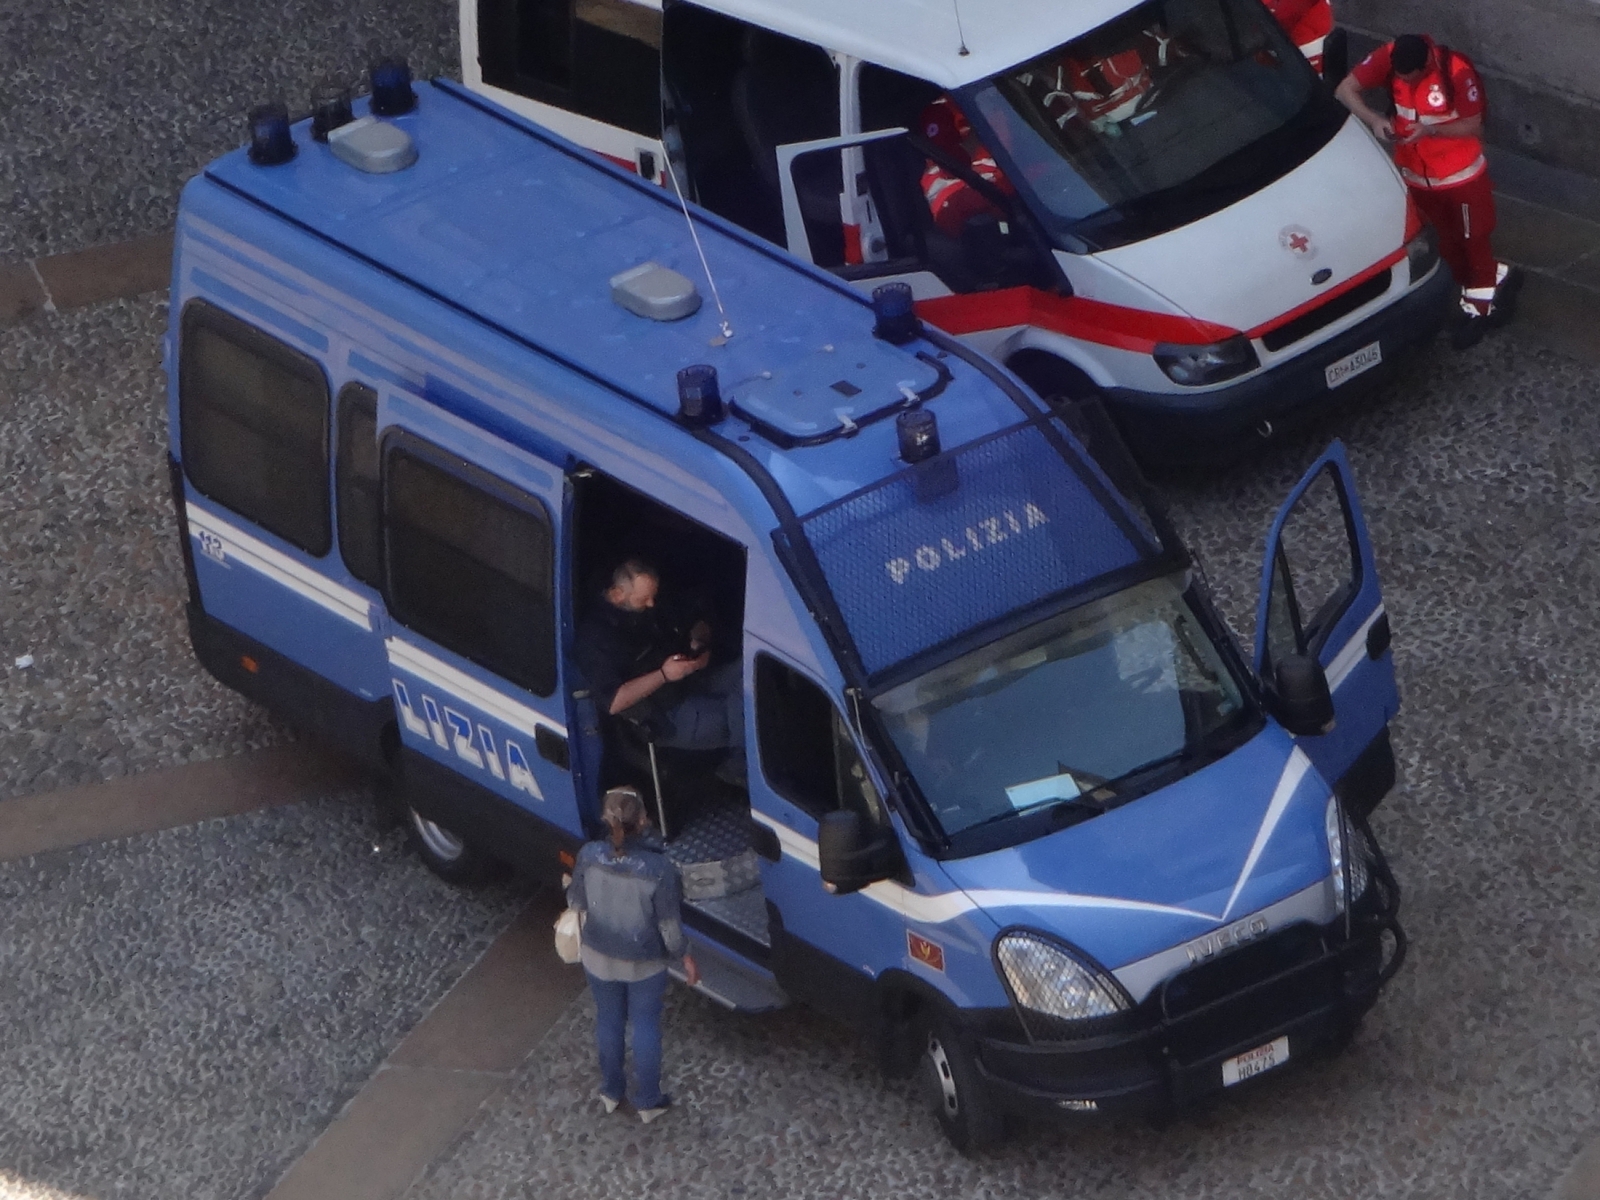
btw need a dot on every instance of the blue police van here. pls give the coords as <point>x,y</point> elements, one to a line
<point>1017,805</point>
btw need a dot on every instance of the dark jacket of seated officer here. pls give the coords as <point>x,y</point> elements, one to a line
<point>636,666</point>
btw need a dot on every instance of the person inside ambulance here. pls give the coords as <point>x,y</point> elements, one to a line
<point>951,199</point>
<point>1107,89</point>
<point>1436,134</point>
<point>1308,24</point>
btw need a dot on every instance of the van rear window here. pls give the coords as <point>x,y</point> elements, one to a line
<point>254,419</point>
<point>470,565</point>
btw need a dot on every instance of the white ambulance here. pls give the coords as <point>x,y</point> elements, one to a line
<point>1158,204</point>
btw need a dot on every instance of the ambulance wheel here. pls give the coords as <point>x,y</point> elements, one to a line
<point>447,854</point>
<point>1058,382</point>
<point>957,1092</point>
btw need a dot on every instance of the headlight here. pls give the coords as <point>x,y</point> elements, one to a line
<point>1344,839</point>
<point>1422,253</point>
<point>1193,366</point>
<point>1051,986</point>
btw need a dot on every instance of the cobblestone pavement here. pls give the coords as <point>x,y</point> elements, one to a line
<point>184,1012</point>
<point>91,582</point>
<point>1477,1075</point>
<point>105,109</point>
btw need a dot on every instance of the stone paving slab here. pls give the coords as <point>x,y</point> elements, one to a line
<point>186,1011</point>
<point>459,1056</point>
<point>130,268</point>
<point>1541,237</point>
<point>168,799</point>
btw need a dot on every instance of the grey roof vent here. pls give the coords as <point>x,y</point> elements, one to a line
<point>374,146</point>
<point>660,293</point>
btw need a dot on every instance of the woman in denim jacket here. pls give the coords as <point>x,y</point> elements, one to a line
<point>626,893</point>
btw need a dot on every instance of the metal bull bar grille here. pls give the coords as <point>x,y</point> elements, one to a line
<point>970,536</point>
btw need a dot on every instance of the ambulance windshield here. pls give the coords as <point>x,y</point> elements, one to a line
<point>1066,716</point>
<point>1173,111</point>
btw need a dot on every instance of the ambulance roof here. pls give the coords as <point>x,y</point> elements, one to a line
<point>924,38</point>
<point>505,223</point>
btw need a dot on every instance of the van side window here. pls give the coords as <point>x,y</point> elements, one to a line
<point>596,58</point>
<point>807,754</point>
<point>355,475</point>
<point>470,564</point>
<point>254,415</point>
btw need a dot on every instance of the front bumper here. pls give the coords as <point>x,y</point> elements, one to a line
<point>1206,428</point>
<point>1307,983</point>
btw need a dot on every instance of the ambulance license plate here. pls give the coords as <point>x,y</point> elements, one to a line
<point>1351,365</point>
<point>1253,1062</point>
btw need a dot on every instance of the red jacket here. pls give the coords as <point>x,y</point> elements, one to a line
<point>1308,22</point>
<point>1449,90</point>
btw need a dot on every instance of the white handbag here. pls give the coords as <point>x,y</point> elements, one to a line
<point>569,936</point>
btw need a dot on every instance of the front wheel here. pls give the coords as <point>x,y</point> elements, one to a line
<point>447,854</point>
<point>960,1100</point>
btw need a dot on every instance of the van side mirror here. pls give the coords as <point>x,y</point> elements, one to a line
<point>851,855</point>
<point>1301,700</point>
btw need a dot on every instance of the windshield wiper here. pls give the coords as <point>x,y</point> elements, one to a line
<point>1089,804</point>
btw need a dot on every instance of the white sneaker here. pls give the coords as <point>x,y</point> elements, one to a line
<point>650,1114</point>
<point>608,1102</point>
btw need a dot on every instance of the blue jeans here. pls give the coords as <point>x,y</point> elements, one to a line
<point>616,1004</point>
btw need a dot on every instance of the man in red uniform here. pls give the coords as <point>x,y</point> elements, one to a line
<point>1435,131</point>
<point>951,199</point>
<point>1308,23</point>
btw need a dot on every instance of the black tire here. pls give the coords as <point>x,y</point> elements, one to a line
<point>1058,382</point>
<point>957,1093</point>
<point>443,851</point>
<point>447,854</point>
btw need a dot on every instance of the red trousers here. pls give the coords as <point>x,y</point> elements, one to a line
<point>1463,215</point>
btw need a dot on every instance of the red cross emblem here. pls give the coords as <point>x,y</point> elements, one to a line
<point>1297,240</point>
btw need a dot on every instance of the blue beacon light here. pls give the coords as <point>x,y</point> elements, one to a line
<point>391,88</point>
<point>699,395</point>
<point>895,322</point>
<point>270,141</point>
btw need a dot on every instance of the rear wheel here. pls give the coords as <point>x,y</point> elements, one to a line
<point>447,854</point>
<point>956,1090</point>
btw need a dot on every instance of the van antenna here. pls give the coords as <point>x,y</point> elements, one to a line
<point>960,33</point>
<point>727,329</point>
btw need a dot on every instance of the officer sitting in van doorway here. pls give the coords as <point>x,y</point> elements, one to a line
<point>637,664</point>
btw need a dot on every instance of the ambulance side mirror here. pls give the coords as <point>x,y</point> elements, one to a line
<point>1300,699</point>
<point>851,854</point>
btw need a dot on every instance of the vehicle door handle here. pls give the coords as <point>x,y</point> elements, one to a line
<point>1378,637</point>
<point>764,842</point>
<point>552,747</point>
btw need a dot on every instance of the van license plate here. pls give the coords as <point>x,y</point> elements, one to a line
<point>1351,365</point>
<point>1253,1062</point>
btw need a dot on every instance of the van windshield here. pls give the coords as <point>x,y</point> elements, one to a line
<point>1066,717</point>
<point>1173,111</point>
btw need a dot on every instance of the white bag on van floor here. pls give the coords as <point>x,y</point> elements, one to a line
<point>569,936</point>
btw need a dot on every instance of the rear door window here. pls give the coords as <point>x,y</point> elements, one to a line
<point>254,419</point>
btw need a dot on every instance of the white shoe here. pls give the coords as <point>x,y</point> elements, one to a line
<point>610,1104</point>
<point>650,1114</point>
